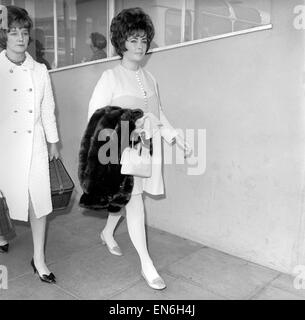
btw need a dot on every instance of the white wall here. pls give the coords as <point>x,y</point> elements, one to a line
<point>246,91</point>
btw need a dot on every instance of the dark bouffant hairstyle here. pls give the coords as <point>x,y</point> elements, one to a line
<point>16,17</point>
<point>127,23</point>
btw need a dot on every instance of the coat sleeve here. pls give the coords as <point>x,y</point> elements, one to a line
<point>102,93</point>
<point>47,110</point>
<point>167,131</point>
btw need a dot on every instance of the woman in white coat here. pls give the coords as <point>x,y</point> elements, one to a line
<point>27,121</point>
<point>128,85</point>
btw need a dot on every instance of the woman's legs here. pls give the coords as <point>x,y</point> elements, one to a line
<point>136,228</point>
<point>112,221</point>
<point>38,226</point>
<point>3,241</point>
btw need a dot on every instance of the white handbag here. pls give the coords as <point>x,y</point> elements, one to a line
<point>136,161</point>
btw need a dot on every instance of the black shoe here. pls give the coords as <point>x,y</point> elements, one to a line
<point>45,278</point>
<point>4,248</point>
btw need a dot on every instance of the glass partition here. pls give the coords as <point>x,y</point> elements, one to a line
<point>186,20</point>
<point>69,32</point>
<point>216,17</point>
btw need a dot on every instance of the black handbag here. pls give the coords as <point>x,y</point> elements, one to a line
<point>61,185</point>
<point>7,229</point>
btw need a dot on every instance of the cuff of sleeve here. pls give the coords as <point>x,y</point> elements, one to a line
<point>53,139</point>
<point>169,134</point>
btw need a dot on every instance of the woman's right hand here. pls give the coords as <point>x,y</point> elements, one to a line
<point>53,151</point>
<point>184,146</point>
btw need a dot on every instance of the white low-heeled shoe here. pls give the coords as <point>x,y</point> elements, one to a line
<point>116,250</point>
<point>157,284</point>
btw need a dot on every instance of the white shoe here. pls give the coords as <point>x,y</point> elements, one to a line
<point>116,250</point>
<point>157,284</point>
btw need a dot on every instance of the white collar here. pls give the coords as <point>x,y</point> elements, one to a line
<point>28,62</point>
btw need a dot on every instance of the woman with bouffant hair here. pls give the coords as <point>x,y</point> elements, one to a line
<point>128,22</point>
<point>27,123</point>
<point>128,85</point>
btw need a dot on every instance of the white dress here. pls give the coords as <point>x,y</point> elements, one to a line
<point>119,87</point>
<point>27,120</point>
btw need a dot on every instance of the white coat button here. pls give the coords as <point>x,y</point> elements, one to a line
<point>11,71</point>
<point>15,89</point>
<point>15,111</point>
<point>30,111</point>
<point>30,89</point>
<point>15,131</point>
<point>29,131</point>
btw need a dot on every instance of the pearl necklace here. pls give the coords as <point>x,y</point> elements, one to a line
<point>144,93</point>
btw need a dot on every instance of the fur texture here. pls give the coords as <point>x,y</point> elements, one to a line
<point>103,184</point>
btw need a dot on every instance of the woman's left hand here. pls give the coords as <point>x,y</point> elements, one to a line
<point>53,151</point>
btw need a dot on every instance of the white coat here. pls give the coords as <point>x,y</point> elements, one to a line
<point>27,120</point>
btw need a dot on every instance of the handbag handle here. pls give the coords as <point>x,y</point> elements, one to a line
<point>1,194</point>
<point>141,145</point>
<point>61,186</point>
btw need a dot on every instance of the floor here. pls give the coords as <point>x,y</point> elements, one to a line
<point>86,270</point>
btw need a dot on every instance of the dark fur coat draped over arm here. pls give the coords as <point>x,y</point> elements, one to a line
<point>99,170</point>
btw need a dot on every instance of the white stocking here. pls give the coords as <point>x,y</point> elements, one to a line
<point>112,221</point>
<point>3,241</point>
<point>38,226</point>
<point>136,229</point>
